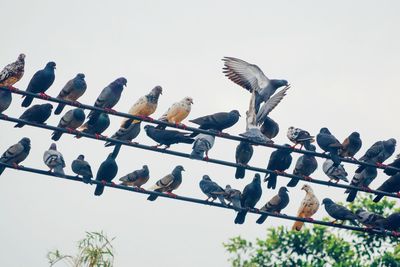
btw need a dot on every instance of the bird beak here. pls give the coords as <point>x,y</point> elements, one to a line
<point>191,101</point>
<point>183,169</point>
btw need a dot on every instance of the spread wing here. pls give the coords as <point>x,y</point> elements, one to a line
<point>268,106</point>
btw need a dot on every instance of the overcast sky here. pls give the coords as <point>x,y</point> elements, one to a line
<point>342,60</point>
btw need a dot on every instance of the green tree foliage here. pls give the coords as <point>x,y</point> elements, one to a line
<point>95,250</point>
<point>318,245</point>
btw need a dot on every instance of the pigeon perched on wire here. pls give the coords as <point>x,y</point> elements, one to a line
<point>254,134</point>
<point>127,132</point>
<point>70,121</point>
<point>202,144</point>
<point>269,128</point>
<point>15,154</point>
<point>251,78</point>
<point>73,90</point>
<point>168,183</point>
<point>54,160</point>
<point>299,136</point>
<point>211,189</point>
<point>394,164</point>
<point>250,196</point>
<point>351,145</point>
<point>136,178</point>
<point>279,161</point>
<point>40,82</point>
<point>96,125</point>
<point>391,185</point>
<point>243,154</point>
<point>305,166</point>
<point>275,204</point>
<point>217,121</point>
<point>233,196</point>
<point>361,179</point>
<point>390,223</point>
<point>336,173</point>
<point>308,207</point>
<point>106,173</point>
<point>167,137</point>
<point>36,113</point>
<point>177,112</point>
<point>378,153</point>
<point>367,218</point>
<point>13,72</point>
<point>327,142</point>
<point>339,212</point>
<point>81,167</point>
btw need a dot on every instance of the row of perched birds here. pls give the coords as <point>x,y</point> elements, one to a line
<point>264,129</point>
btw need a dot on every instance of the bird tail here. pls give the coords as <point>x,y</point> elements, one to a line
<point>378,198</point>
<point>221,199</point>
<point>27,101</point>
<point>196,154</point>
<point>240,217</point>
<point>352,195</point>
<point>194,134</point>
<point>56,135</point>
<point>297,225</point>
<point>152,197</point>
<point>2,168</point>
<point>293,182</point>
<point>354,222</point>
<point>116,150</point>
<point>59,108</point>
<point>271,180</point>
<point>87,179</point>
<point>335,158</point>
<point>187,140</point>
<point>240,172</point>
<point>19,125</point>
<point>59,170</point>
<point>262,219</point>
<point>107,144</point>
<point>99,190</point>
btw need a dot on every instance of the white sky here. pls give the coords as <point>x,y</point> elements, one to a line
<point>341,58</point>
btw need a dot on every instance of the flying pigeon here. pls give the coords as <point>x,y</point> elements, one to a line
<point>269,128</point>
<point>136,178</point>
<point>308,207</point>
<point>279,161</point>
<point>168,183</point>
<point>362,179</point>
<point>378,153</point>
<point>351,145</point>
<point>244,152</point>
<point>177,112</point>
<point>233,197</point>
<point>40,82</point>
<point>299,136</point>
<point>96,125</point>
<point>211,189</point>
<point>269,105</point>
<point>202,144</point>
<point>367,218</point>
<point>73,90</point>
<point>330,144</point>
<point>305,166</point>
<point>395,164</point>
<point>339,212</point>
<point>13,72</point>
<point>106,173</point>
<point>334,172</point>
<point>250,196</point>
<point>71,121</point>
<point>276,204</point>
<point>15,154</point>
<point>81,167</point>
<point>36,113</point>
<point>54,160</point>
<point>218,121</point>
<point>391,185</point>
<point>167,137</point>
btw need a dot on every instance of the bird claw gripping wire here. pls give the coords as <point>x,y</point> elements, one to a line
<point>12,88</point>
<point>307,178</point>
<point>74,132</point>
<point>309,219</point>
<point>76,104</point>
<point>181,126</point>
<point>110,110</point>
<point>44,96</point>
<point>100,137</point>
<point>381,165</point>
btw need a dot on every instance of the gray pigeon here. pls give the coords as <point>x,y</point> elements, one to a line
<point>73,90</point>
<point>71,120</point>
<point>276,204</point>
<point>250,196</point>
<point>167,137</point>
<point>127,132</point>
<point>351,145</point>
<point>362,179</point>
<point>391,185</point>
<point>269,128</point>
<point>168,183</point>
<point>339,212</point>
<point>336,173</point>
<point>106,173</point>
<point>254,134</point>
<point>233,197</point>
<point>244,152</point>
<point>211,189</point>
<point>327,142</point>
<point>136,178</point>
<point>202,144</point>
<point>15,154</point>
<point>218,121</point>
<point>54,160</point>
<point>13,72</point>
<point>97,125</point>
<point>5,100</point>
<point>390,223</point>
<point>82,168</point>
<point>36,113</point>
<point>305,166</point>
<point>367,218</point>
<point>279,161</point>
<point>378,153</point>
<point>394,164</point>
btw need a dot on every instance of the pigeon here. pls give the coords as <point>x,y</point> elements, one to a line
<point>275,204</point>
<point>391,185</point>
<point>269,128</point>
<point>339,212</point>
<point>71,121</point>
<point>168,183</point>
<point>395,164</point>
<point>126,133</point>
<point>54,160</point>
<point>82,168</point>
<point>308,207</point>
<point>233,197</point>
<point>254,134</point>
<point>330,144</point>
<point>202,144</point>
<point>351,145</point>
<point>251,78</point>
<point>136,178</point>
<point>378,153</point>
<point>305,166</point>
<point>106,173</point>
<point>390,223</point>
<point>299,136</point>
<point>367,218</point>
<point>211,189</point>
<point>279,161</point>
<point>13,72</point>
<point>167,137</point>
<point>146,105</point>
<point>269,105</point>
<point>217,121</point>
<point>73,90</point>
<point>15,154</point>
<point>36,113</point>
<point>244,152</point>
<point>177,112</point>
<point>334,172</point>
<point>250,196</point>
<point>362,179</point>
<point>5,100</point>
<point>97,125</point>
<point>40,82</point>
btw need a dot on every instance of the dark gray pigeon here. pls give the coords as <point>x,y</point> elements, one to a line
<point>279,161</point>
<point>106,173</point>
<point>136,178</point>
<point>391,185</point>
<point>5,100</point>
<point>73,90</point>
<point>218,121</point>
<point>15,154</point>
<point>36,114</point>
<point>211,189</point>
<point>71,120</point>
<point>276,204</point>
<point>127,132</point>
<point>328,143</point>
<point>305,166</point>
<point>97,125</point>
<point>362,179</point>
<point>395,164</point>
<point>390,223</point>
<point>167,137</point>
<point>339,212</point>
<point>244,152</point>
<point>351,145</point>
<point>368,218</point>
<point>40,82</point>
<point>251,195</point>
<point>378,153</point>
<point>202,144</point>
<point>269,128</point>
<point>81,167</point>
<point>168,183</point>
<point>233,197</point>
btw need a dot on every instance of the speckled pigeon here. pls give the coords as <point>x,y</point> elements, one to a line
<point>244,152</point>
<point>136,178</point>
<point>15,154</point>
<point>339,212</point>
<point>250,196</point>
<point>73,90</point>
<point>106,173</point>
<point>299,136</point>
<point>167,137</point>
<point>202,144</point>
<point>275,204</point>
<point>211,189</point>
<point>13,72</point>
<point>279,161</point>
<point>36,114</point>
<point>218,121</point>
<point>81,167</point>
<point>71,120</point>
<point>351,145</point>
<point>391,185</point>
<point>168,183</point>
<point>305,166</point>
<point>327,142</point>
<point>54,160</point>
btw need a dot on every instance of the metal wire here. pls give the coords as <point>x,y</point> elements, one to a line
<point>203,202</point>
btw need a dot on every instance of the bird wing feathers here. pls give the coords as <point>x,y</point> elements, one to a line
<point>163,183</point>
<point>12,152</point>
<point>268,106</point>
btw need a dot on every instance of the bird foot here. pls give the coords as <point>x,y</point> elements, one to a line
<point>309,219</point>
<point>398,194</point>
<point>222,134</point>
<point>146,118</point>
<point>110,110</point>
<point>381,165</point>
<point>307,178</point>
<point>4,116</point>
<point>140,189</point>
<point>103,182</point>
<point>165,148</point>
<point>113,184</point>
<point>334,222</point>
<point>76,104</point>
<point>366,188</point>
<point>180,125</point>
<point>71,130</point>
<point>206,158</point>
<point>12,88</point>
<point>280,172</point>
<point>255,209</point>
<point>171,194</point>
<point>15,166</point>
<point>156,146</point>
<point>397,234</point>
<point>133,143</point>
<point>99,136</point>
<point>44,96</point>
